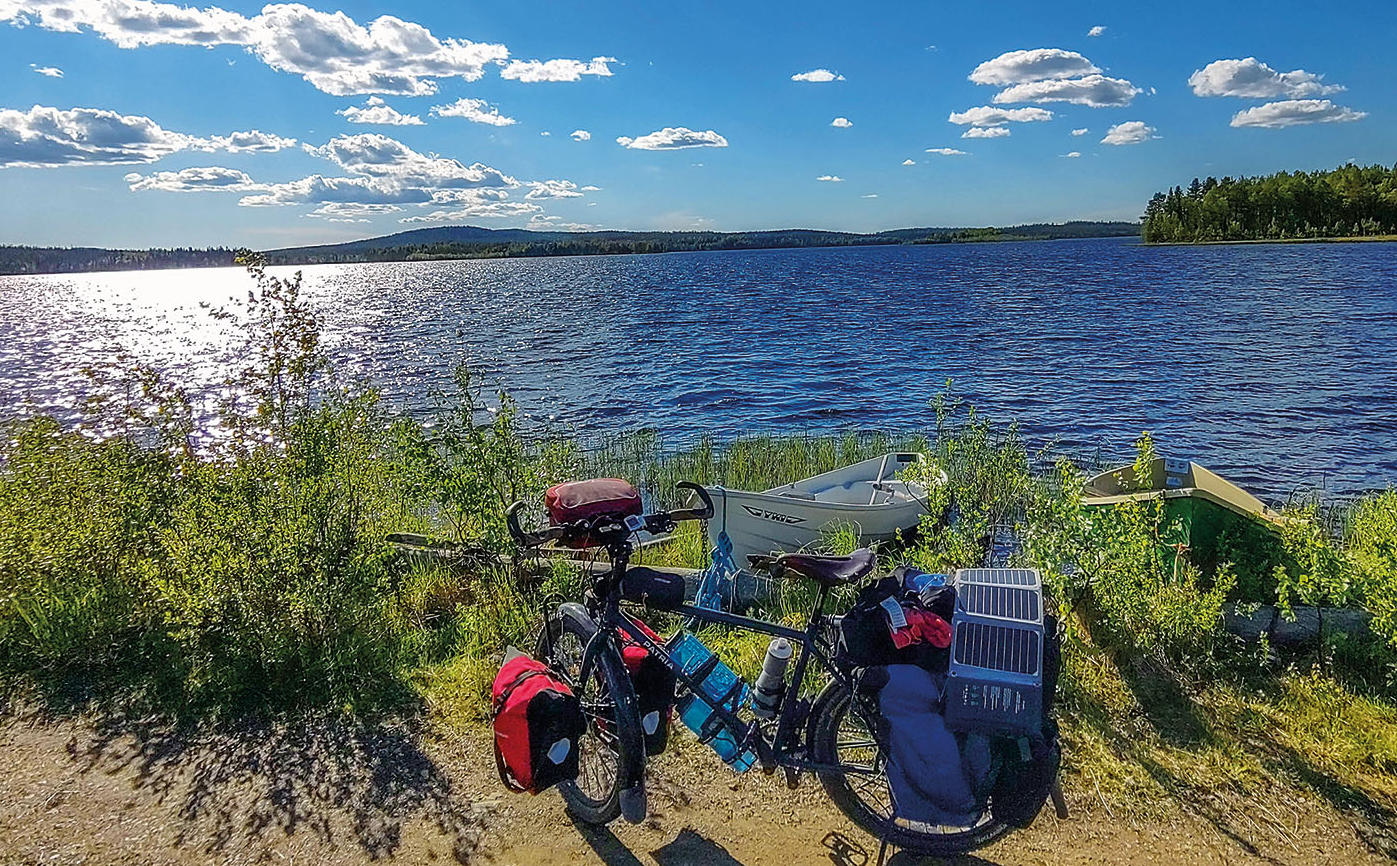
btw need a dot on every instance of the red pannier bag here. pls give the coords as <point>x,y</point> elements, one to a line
<point>588,500</point>
<point>538,721</point>
<point>653,681</point>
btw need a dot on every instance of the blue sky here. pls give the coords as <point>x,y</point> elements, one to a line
<point>139,123</point>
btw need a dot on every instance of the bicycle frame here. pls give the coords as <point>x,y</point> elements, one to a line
<point>771,753</point>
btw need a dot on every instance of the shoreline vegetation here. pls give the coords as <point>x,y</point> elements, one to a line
<point>151,569</point>
<point>473,242</point>
<point>1349,203</point>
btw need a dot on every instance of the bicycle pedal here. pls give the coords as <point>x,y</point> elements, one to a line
<point>792,778</point>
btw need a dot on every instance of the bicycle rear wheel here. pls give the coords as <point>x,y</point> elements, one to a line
<point>611,751</point>
<point>840,735</point>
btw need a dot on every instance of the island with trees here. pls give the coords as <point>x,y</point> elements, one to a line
<point>1351,201</point>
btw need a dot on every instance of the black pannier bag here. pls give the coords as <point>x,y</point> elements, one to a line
<point>538,722</point>
<point>864,636</point>
<point>1023,786</point>
<point>654,689</point>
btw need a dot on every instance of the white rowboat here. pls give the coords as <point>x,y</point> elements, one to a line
<point>866,496</point>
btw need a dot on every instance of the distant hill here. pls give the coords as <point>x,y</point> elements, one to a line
<point>464,242</point>
<point>460,242</point>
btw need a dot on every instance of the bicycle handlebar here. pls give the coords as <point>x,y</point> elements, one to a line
<point>661,521</point>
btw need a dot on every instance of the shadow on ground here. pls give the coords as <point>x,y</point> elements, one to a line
<point>1173,715</point>
<point>335,780</point>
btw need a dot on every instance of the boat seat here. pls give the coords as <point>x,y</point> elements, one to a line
<point>828,571</point>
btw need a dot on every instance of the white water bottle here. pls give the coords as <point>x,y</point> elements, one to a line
<point>767,693</point>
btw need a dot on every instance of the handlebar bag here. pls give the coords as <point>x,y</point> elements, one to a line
<point>538,721</point>
<point>653,681</point>
<point>587,500</point>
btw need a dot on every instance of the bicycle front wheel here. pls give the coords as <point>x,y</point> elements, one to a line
<point>611,751</point>
<point>839,734</point>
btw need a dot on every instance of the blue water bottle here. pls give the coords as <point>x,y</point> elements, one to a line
<point>723,687</point>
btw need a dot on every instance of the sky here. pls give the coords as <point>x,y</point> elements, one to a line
<point>134,123</point>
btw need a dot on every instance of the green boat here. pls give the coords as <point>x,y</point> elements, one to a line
<point>1209,517</point>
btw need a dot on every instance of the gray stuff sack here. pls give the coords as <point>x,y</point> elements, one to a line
<point>933,780</point>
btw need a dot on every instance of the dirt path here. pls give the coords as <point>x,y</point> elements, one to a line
<point>83,792</point>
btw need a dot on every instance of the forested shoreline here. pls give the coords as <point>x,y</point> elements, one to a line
<point>472,242</point>
<point>1348,202</point>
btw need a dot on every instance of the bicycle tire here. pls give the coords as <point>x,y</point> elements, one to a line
<point>826,718</point>
<point>609,707</point>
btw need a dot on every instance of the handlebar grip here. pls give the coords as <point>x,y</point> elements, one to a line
<point>694,513</point>
<point>511,518</point>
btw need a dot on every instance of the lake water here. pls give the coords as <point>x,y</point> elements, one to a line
<point>1274,364</point>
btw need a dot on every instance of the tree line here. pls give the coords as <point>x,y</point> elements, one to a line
<point>472,242</point>
<point>1350,201</point>
<point>67,260</point>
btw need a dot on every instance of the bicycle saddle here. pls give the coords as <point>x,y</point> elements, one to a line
<point>829,571</point>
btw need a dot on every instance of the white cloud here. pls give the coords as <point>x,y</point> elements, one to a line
<point>673,138</point>
<point>556,70</point>
<point>209,179</point>
<point>1037,64</point>
<point>474,110</point>
<point>841,122</point>
<point>830,178</point>
<point>817,76</point>
<point>1073,154</point>
<point>541,189</point>
<point>986,132</point>
<point>1097,30</point>
<point>539,222</point>
<point>1129,132</point>
<point>45,136</point>
<point>330,50</point>
<point>50,71</point>
<point>482,210</point>
<point>581,135</point>
<point>338,212</point>
<point>545,133</point>
<point>1294,112</point>
<point>1251,78</point>
<point>590,188</point>
<point>945,151</point>
<point>377,111</point>
<point>909,162</point>
<point>986,115</point>
<point>1080,131</point>
<point>870,195</point>
<point>252,141</point>
<point>317,189</point>
<point>377,156</point>
<point>1096,91</point>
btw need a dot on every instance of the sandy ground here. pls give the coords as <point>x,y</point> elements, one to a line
<point>79,791</point>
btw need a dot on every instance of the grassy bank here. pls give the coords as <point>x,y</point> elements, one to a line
<point>149,566</point>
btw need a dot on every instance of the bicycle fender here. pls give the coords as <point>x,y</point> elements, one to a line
<point>627,705</point>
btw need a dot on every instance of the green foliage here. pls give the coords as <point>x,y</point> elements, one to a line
<point>1350,201</point>
<point>987,477</point>
<point>1115,567</point>
<point>1371,547</point>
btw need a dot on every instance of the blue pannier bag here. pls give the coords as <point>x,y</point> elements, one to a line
<point>934,779</point>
